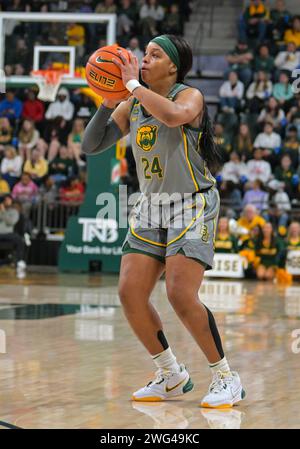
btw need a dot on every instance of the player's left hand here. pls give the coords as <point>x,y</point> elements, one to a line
<point>129,69</point>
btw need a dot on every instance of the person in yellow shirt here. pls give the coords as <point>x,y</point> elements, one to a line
<point>36,166</point>
<point>76,37</point>
<point>4,187</point>
<point>249,220</point>
<point>293,34</point>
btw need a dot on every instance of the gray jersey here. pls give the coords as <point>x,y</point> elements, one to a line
<point>168,160</point>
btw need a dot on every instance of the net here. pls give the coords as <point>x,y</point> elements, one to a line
<point>48,82</point>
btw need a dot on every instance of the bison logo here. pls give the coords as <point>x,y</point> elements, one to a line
<point>146,137</point>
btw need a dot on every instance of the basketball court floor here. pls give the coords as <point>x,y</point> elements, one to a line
<point>71,360</point>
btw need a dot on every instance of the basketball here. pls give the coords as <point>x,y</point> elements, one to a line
<point>103,76</point>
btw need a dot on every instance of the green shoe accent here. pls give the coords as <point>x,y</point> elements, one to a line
<point>188,386</point>
<point>243,394</point>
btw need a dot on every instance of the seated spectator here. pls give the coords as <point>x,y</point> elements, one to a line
<point>172,22</point>
<point>62,107</point>
<point>11,166</point>
<point>291,145</point>
<point>223,141</point>
<point>287,174</point>
<point>280,207</point>
<point>20,55</point>
<point>11,107</point>
<point>76,38</point>
<point>28,138</point>
<point>225,242</point>
<point>259,91</point>
<point>231,93</point>
<point>4,187</point>
<point>273,114</point>
<point>258,168</point>
<point>26,192</point>
<point>33,109</point>
<point>240,60</point>
<point>257,196</point>
<point>269,249</point>
<point>268,141</point>
<point>106,7</point>
<point>243,143</point>
<point>280,18</point>
<point>72,191</point>
<point>234,170</point>
<point>9,216</point>
<point>289,59</point>
<point>253,23</point>
<point>85,108</point>
<point>283,91</point>
<point>151,15</point>
<point>36,166</point>
<point>293,34</point>
<point>62,167</point>
<point>231,199</point>
<point>263,61</point>
<point>249,219</point>
<point>56,134</point>
<point>134,47</point>
<point>293,115</point>
<point>293,237</point>
<point>127,14</point>
<point>49,191</point>
<point>6,133</point>
<point>75,141</point>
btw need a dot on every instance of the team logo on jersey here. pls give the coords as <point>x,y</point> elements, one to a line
<point>146,137</point>
<point>204,233</point>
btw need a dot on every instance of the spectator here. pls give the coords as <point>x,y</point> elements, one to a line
<point>106,7</point>
<point>49,191</point>
<point>76,38</point>
<point>293,34</point>
<point>62,166</point>
<point>268,140</point>
<point>272,114</point>
<point>234,170</point>
<point>263,60</point>
<point>278,213</point>
<point>240,60</point>
<point>20,55</point>
<point>223,141</point>
<point>293,115</point>
<point>269,249</point>
<point>243,143</point>
<point>289,59</point>
<point>225,242</point>
<point>231,199</point>
<point>36,166</point>
<point>285,173</point>
<point>26,192</point>
<point>9,216</point>
<point>28,138</point>
<point>4,187</point>
<point>172,22</point>
<point>11,166</point>
<point>257,196</point>
<point>134,47</point>
<point>253,23</point>
<point>258,168</point>
<point>127,14</point>
<point>72,191</point>
<point>11,107</point>
<point>75,141</point>
<point>293,237</point>
<point>62,107</point>
<point>280,18</point>
<point>231,93</point>
<point>283,91</point>
<point>250,219</point>
<point>33,109</point>
<point>151,15</point>
<point>85,108</point>
<point>291,145</point>
<point>259,91</point>
<point>5,133</point>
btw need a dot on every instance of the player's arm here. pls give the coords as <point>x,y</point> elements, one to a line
<point>107,126</point>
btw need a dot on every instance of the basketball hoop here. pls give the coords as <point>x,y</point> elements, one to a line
<point>48,82</point>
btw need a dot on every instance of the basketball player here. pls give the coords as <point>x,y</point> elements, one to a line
<point>172,142</point>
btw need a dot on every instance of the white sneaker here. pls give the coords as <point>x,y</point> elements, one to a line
<point>224,391</point>
<point>166,385</point>
<point>21,265</point>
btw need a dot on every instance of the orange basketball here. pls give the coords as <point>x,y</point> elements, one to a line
<point>104,76</point>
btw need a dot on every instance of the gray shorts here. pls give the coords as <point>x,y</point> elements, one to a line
<point>187,227</point>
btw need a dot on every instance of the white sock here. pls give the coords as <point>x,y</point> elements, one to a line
<point>166,360</point>
<point>222,365</point>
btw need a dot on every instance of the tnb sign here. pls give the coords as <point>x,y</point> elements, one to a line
<point>104,230</point>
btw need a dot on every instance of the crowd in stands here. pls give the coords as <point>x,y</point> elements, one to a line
<point>257,129</point>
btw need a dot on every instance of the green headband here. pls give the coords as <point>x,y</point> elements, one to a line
<point>167,45</point>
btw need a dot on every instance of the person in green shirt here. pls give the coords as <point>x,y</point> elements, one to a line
<point>223,141</point>
<point>279,18</point>
<point>263,60</point>
<point>62,167</point>
<point>286,173</point>
<point>293,237</point>
<point>225,242</point>
<point>253,22</point>
<point>271,253</point>
<point>291,145</point>
<point>240,60</point>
